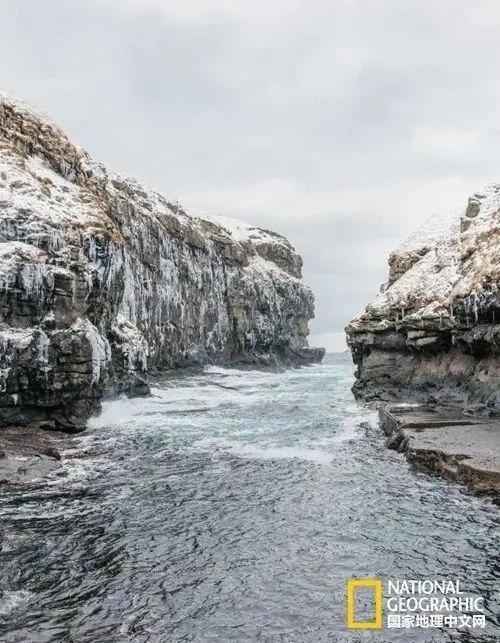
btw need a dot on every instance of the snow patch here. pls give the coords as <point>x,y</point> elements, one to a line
<point>244,232</point>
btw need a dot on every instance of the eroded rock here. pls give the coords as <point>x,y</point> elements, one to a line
<point>434,333</point>
<point>103,281</point>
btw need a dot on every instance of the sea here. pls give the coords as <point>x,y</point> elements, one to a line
<point>235,505</point>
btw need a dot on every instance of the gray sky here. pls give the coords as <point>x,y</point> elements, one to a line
<point>342,124</point>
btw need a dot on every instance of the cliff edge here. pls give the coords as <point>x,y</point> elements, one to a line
<point>433,333</point>
<point>103,282</point>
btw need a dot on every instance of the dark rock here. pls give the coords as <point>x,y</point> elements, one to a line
<point>394,441</point>
<point>52,452</point>
<point>138,387</point>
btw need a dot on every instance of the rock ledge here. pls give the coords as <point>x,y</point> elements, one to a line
<point>445,442</point>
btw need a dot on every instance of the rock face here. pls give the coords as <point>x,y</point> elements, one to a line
<point>103,282</point>
<point>433,333</point>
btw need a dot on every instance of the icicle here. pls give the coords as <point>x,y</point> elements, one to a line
<point>42,349</point>
<point>33,280</point>
<point>92,249</point>
<point>100,348</point>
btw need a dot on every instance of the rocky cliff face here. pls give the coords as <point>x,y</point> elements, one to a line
<point>103,282</point>
<point>433,333</point>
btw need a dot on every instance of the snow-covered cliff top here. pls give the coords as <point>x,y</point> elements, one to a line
<point>244,232</point>
<point>450,258</point>
<point>58,182</point>
<point>438,227</point>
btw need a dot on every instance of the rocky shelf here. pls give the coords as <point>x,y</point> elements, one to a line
<point>444,441</point>
<point>28,454</point>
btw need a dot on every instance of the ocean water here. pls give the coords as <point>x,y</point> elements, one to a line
<point>233,506</point>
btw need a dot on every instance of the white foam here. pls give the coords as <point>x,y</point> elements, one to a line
<point>116,412</point>
<point>12,600</point>
<point>255,452</point>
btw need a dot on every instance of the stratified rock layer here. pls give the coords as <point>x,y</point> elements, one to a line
<point>103,281</point>
<point>433,333</point>
<point>445,442</point>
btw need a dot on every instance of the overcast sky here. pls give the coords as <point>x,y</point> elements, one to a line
<point>341,124</point>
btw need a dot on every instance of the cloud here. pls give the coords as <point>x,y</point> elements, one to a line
<point>343,125</point>
<point>201,10</point>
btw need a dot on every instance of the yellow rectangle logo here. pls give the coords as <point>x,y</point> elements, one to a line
<point>353,585</point>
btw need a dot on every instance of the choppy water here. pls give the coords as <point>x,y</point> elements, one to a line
<point>233,506</point>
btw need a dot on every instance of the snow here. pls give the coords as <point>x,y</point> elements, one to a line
<point>244,232</point>
<point>426,285</point>
<point>456,265</point>
<point>436,228</point>
<point>489,211</point>
<point>35,193</point>
<point>26,109</point>
<point>41,169</point>
<point>268,268</point>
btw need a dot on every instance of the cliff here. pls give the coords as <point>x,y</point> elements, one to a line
<point>103,282</point>
<point>433,333</point>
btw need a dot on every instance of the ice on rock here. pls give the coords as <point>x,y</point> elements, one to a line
<point>433,332</point>
<point>33,277</point>
<point>118,280</point>
<point>99,345</point>
<point>12,342</point>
